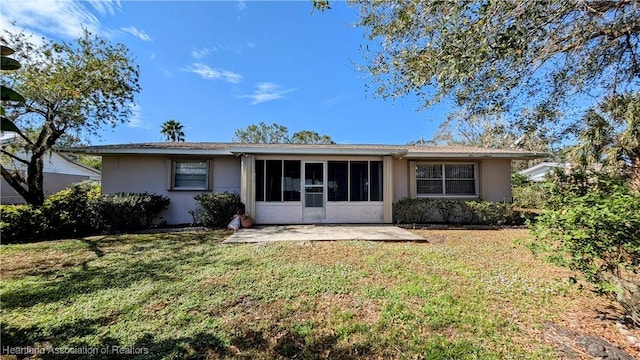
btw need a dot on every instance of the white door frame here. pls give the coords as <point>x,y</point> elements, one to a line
<point>314,202</point>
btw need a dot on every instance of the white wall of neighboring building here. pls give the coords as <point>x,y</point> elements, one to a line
<point>540,171</point>
<point>58,173</point>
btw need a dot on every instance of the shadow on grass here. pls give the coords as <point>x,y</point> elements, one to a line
<point>198,346</point>
<point>148,260</point>
<point>247,344</point>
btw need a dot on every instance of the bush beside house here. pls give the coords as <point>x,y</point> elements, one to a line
<point>216,209</point>
<point>461,212</point>
<point>592,224</point>
<point>77,211</point>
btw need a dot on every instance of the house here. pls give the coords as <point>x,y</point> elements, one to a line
<point>59,171</point>
<point>540,171</point>
<point>297,183</point>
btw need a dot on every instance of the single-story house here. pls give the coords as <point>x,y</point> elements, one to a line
<point>59,171</point>
<point>297,183</point>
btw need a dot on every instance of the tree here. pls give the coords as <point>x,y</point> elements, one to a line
<point>278,134</point>
<point>310,137</point>
<point>262,134</point>
<point>591,223</point>
<point>71,88</point>
<point>500,55</point>
<point>172,130</point>
<point>8,94</point>
<point>610,137</point>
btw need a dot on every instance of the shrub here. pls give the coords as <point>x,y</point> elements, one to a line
<point>127,212</point>
<point>21,223</point>
<point>596,230</point>
<point>68,212</point>
<point>424,210</point>
<point>216,209</point>
<point>533,195</point>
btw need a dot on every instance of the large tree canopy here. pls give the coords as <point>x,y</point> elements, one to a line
<point>70,89</point>
<point>496,55</point>
<point>262,133</point>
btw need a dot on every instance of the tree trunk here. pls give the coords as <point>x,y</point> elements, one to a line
<point>32,188</point>
<point>35,181</point>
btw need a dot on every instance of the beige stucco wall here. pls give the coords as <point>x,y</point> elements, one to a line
<point>495,180</point>
<point>400,179</point>
<point>152,174</point>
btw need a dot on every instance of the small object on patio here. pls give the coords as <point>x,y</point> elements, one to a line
<point>235,223</point>
<point>246,220</point>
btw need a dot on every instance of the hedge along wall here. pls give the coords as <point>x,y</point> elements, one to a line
<point>461,212</point>
<point>77,211</point>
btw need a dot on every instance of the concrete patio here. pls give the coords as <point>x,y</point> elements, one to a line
<point>322,233</point>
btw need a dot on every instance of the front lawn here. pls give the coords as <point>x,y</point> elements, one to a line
<point>462,294</point>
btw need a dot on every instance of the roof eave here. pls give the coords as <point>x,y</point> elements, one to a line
<point>308,151</point>
<point>462,155</point>
<point>134,151</point>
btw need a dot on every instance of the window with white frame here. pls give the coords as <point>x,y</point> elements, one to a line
<point>190,174</point>
<point>433,179</point>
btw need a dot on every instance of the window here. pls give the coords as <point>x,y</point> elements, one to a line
<point>337,187</point>
<point>446,179</point>
<point>291,186</point>
<point>260,180</point>
<point>359,181</point>
<point>273,180</point>
<point>375,187</point>
<point>355,180</point>
<point>191,175</point>
<point>277,180</point>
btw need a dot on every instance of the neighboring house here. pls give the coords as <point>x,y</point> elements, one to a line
<point>59,172</point>
<point>540,171</point>
<point>297,183</point>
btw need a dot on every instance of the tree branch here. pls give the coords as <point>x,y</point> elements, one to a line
<point>14,157</point>
<point>14,179</point>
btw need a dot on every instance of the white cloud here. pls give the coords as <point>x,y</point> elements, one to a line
<point>214,74</point>
<point>267,91</point>
<point>105,6</point>
<point>242,5</point>
<point>58,18</point>
<point>140,34</point>
<point>137,120</point>
<point>200,54</point>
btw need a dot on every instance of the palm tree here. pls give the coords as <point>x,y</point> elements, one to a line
<point>172,130</point>
<point>612,136</point>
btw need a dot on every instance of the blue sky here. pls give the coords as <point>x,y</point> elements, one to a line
<point>216,66</point>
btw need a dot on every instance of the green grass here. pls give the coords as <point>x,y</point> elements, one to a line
<point>476,295</point>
